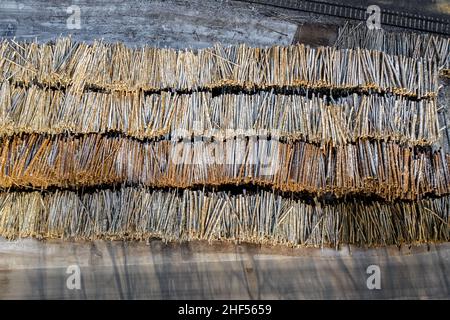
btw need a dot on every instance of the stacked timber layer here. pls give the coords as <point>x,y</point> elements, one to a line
<point>100,66</point>
<point>261,217</point>
<point>413,45</point>
<point>318,119</point>
<point>282,145</point>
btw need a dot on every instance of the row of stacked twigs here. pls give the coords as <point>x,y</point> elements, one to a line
<point>183,215</point>
<point>318,119</point>
<point>366,168</point>
<point>81,66</point>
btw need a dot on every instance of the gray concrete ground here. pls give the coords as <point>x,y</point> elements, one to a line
<point>176,24</point>
<point>119,270</point>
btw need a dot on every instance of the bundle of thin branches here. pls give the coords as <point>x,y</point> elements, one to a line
<point>116,67</point>
<point>367,168</point>
<point>257,217</point>
<point>414,45</point>
<point>316,119</point>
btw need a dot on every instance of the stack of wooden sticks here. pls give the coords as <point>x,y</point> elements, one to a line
<point>414,45</point>
<point>283,145</point>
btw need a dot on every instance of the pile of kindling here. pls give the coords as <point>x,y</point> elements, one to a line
<point>184,215</point>
<point>287,145</point>
<point>80,66</point>
<point>366,168</point>
<point>318,119</point>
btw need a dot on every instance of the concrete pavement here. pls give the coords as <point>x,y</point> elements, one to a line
<point>30,269</point>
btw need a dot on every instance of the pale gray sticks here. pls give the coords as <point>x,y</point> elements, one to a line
<point>413,45</point>
<point>291,117</point>
<point>256,217</point>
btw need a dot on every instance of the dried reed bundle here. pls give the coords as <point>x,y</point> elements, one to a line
<point>256,217</point>
<point>292,117</point>
<point>413,45</point>
<point>366,168</point>
<point>116,67</point>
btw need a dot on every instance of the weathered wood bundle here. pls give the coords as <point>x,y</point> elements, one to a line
<point>317,119</point>
<point>366,168</point>
<point>184,215</point>
<point>282,145</point>
<point>414,45</point>
<point>79,66</point>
